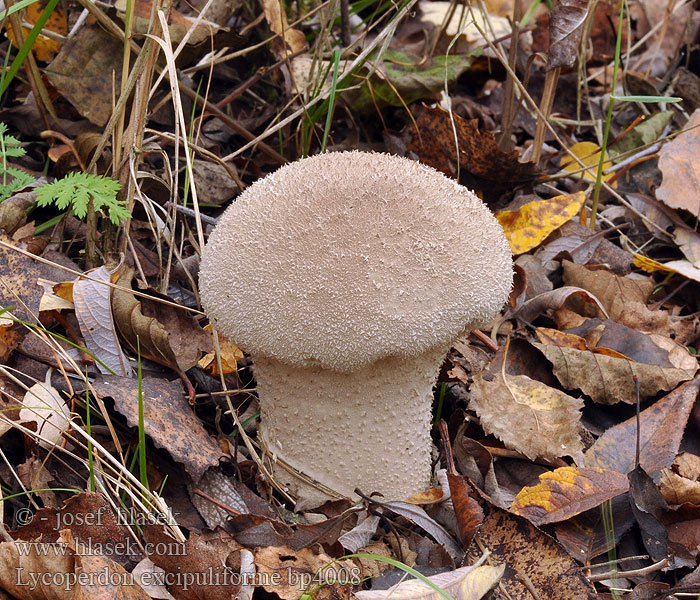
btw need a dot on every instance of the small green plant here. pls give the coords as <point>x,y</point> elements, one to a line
<point>77,190</point>
<point>10,147</point>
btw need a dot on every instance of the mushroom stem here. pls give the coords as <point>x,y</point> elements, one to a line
<point>368,429</point>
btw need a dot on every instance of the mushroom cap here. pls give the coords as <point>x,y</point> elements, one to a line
<point>342,259</point>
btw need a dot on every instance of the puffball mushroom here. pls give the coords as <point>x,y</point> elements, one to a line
<point>346,277</point>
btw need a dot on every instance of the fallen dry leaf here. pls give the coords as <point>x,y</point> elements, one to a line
<point>588,535</point>
<point>527,415</point>
<point>681,482</point>
<point>44,406</point>
<point>487,169</point>
<point>527,227</point>
<point>661,429</point>
<point>93,309</point>
<point>610,379</point>
<point>465,583</point>
<point>565,31</point>
<point>552,572</point>
<point>680,187</point>
<point>168,419</point>
<point>165,334</point>
<point>681,267</point>
<point>300,571</point>
<point>589,154</point>
<point>567,492</point>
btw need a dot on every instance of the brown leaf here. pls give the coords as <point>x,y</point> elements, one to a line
<point>526,550</point>
<point>168,419</point>
<point>484,166</point>
<point>661,429</point>
<point>680,484</point>
<point>680,187</point>
<point>468,512</point>
<point>648,507</point>
<point>555,299</point>
<point>295,570</point>
<point>565,30</point>
<point>566,492</point>
<point>92,523</point>
<point>527,415</point>
<point>165,334</point>
<point>608,377</point>
<point>20,275</point>
<point>204,567</point>
<point>587,535</point>
<point>82,72</point>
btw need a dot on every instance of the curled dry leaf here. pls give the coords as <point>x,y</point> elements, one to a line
<point>566,492</point>
<point>44,406</point>
<point>93,309</point>
<point>465,583</point>
<point>554,300</point>
<point>661,429</point>
<point>532,223</point>
<point>681,483</point>
<point>527,415</point>
<point>565,31</point>
<point>165,334</point>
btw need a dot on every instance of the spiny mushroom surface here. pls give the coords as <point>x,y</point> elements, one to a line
<point>347,276</point>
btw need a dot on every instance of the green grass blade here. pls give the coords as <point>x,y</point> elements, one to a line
<point>27,46</point>
<point>646,99</point>
<point>331,99</point>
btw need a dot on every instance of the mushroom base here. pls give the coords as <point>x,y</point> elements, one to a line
<point>368,429</point>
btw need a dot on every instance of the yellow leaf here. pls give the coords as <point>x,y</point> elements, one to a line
<point>566,492</point>
<point>230,355</point>
<point>589,154</point>
<point>528,226</point>
<point>44,48</point>
<point>679,267</point>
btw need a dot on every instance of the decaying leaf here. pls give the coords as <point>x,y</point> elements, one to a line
<point>661,429</point>
<point>610,379</point>
<point>553,300</point>
<point>566,492</point>
<point>295,570</point>
<point>484,166</point>
<point>44,406</point>
<point>160,332</point>
<point>681,171</point>
<point>528,226</point>
<point>93,309</point>
<point>94,54</point>
<point>276,18</point>
<point>168,419</point>
<point>552,572</point>
<point>681,482</point>
<point>565,31</point>
<point>527,415</point>
<point>588,535</point>
<point>44,48</point>
<point>230,355</point>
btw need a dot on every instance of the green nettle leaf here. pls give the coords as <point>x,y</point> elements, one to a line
<point>76,190</point>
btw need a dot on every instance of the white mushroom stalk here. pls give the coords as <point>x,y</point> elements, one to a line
<point>346,277</point>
